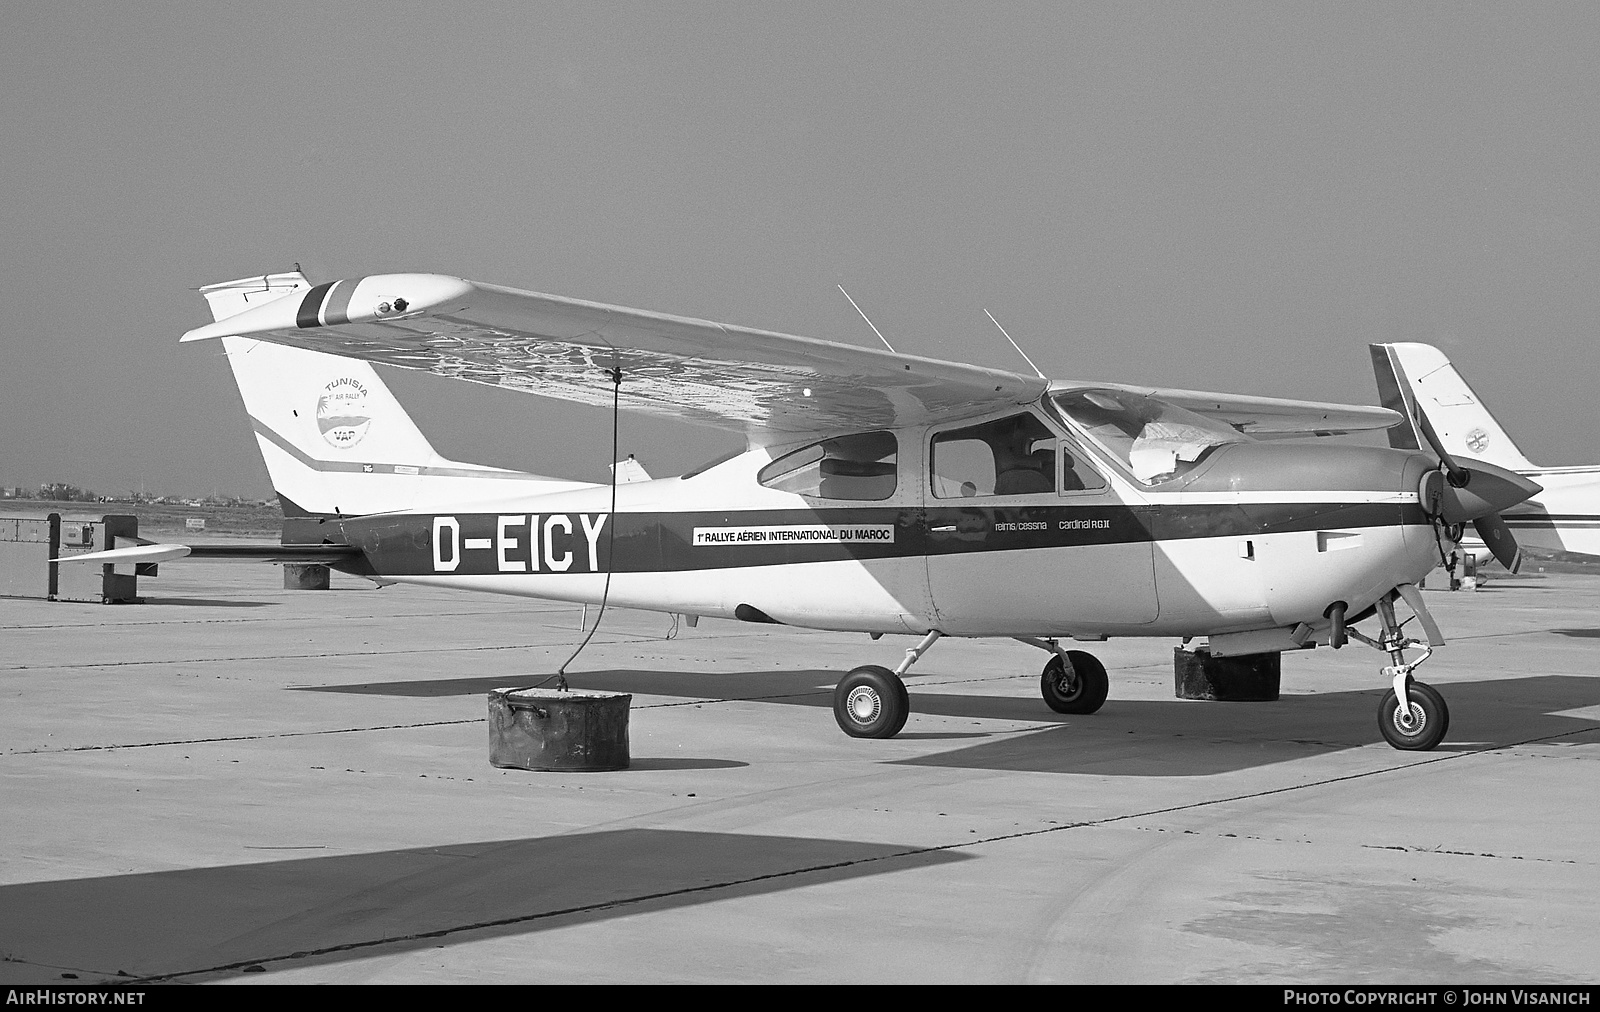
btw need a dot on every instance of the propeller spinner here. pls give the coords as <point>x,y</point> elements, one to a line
<point>1456,494</point>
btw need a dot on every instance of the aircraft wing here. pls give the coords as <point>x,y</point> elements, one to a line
<point>773,387</point>
<point>1267,416</point>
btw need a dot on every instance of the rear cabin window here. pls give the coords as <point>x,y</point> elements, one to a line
<point>1008,456</point>
<point>861,467</point>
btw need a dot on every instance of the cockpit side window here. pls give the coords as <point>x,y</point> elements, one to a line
<point>1156,441</point>
<point>1077,474</point>
<point>860,466</point>
<point>1008,456</point>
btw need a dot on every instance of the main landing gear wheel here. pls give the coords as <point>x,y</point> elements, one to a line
<point>1420,730</point>
<point>1082,690</point>
<point>871,702</point>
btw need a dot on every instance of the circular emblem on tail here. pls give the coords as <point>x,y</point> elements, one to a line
<point>1477,439</point>
<point>342,413</point>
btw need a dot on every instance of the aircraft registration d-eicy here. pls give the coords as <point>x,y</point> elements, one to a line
<point>879,492</point>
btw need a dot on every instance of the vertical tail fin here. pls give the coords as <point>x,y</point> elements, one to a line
<point>335,440</point>
<point>1420,376</point>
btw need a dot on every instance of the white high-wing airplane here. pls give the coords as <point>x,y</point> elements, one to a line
<point>880,492</point>
<point>1419,381</point>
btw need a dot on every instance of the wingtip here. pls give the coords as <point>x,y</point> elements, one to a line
<point>375,297</point>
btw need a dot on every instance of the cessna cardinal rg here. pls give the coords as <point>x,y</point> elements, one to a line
<point>1418,380</point>
<point>880,493</point>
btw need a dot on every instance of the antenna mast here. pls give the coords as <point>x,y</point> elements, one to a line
<point>1014,345</point>
<point>875,330</point>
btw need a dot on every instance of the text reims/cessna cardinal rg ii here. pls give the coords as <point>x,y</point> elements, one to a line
<point>879,492</point>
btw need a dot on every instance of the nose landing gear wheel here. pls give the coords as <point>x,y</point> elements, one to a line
<point>871,702</point>
<point>1083,690</point>
<point>1423,728</point>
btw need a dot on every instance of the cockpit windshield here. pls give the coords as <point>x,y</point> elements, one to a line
<point>1157,441</point>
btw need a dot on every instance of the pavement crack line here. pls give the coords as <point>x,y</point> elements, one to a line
<point>315,657</point>
<point>704,701</point>
<point>111,626</point>
<point>619,639</point>
<point>900,855</point>
<point>374,727</point>
<point>242,737</point>
<point>354,730</point>
<point>708,700</point>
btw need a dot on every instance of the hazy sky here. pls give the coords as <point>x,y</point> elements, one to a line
<point>1219,196</point>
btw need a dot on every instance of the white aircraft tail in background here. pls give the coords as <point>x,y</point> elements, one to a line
<point>335,440</point>
<point>1419,375</point>
<point>1417,379</point>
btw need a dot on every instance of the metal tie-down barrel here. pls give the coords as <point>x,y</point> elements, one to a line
<point>562,730</point>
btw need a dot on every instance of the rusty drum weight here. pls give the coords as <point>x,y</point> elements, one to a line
<point>547,729</point>
<point>1249,678</point>
<point>305,576</point>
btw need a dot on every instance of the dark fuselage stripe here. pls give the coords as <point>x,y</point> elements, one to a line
<point>1558,517</point>
<point>403,545</point>
<point>1553,523</point>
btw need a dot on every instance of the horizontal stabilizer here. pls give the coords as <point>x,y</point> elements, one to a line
<point>138,553</point>
<point>325,554</point>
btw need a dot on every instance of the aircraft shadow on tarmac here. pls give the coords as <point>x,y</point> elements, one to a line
<point>202,602</point>
<point>286,914</point>
<point>1161,738</point>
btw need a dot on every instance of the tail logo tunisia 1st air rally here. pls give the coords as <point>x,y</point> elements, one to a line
<point>342,413</point>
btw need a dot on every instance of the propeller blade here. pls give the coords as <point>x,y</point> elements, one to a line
<point>1494,532</point>
<point>1493,490</point>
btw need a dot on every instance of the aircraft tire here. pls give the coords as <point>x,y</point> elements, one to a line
<point>1087,696</point>
<point>871,702</point>
<point>1423,734</point>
